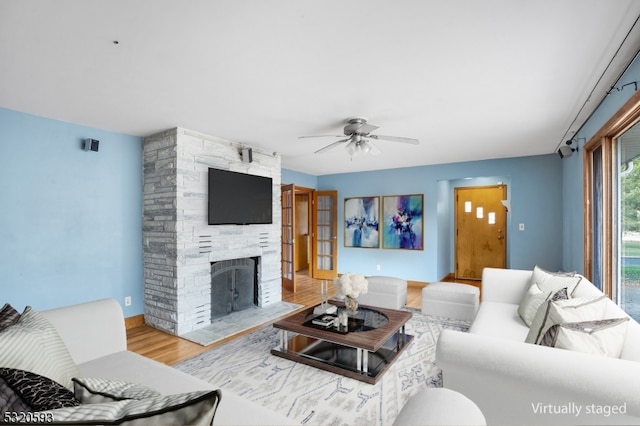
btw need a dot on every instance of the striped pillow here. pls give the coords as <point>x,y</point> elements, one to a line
<point>33,344</point>
<point>193,408</point>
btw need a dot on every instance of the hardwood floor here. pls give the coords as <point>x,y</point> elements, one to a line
<point>169,349</point>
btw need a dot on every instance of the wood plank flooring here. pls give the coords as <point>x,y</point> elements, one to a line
<point>169,349</point>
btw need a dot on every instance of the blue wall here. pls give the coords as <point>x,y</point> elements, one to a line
<point>70,221</point>
<point>572,173</point>
<point>300,179</point>
<point>534,188</point>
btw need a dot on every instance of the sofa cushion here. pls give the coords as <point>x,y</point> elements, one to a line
<point>562,311</point>
<point>96,390</point>
<point>193,408</point>
<point>8,316</point>
<point>602,337</point>
<point>22,391</point>
<point>33,344</point>
<point>499,320</point>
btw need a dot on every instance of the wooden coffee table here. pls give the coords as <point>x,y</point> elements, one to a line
<point>376,338</point>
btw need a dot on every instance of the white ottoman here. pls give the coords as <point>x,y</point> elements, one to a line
<point>385,292</point>
<point>439,406</point>
<point>451,300</point>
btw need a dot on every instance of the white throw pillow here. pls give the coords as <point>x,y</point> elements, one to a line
<point>531,302</point>
<point>603,337</point>
<point>563,311</point>
<point>550,282</point>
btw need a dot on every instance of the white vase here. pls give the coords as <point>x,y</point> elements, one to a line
<point>351,304</point>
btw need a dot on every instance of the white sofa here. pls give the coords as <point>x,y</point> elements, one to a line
<point>514,382</point>
<point>95,335</point>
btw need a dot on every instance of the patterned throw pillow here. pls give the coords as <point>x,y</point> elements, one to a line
<point>194,408</point>
<point>602,337</point>
<point>540,316</point>
<point>563,311</point>
<point>8,315</point>
<point>25,391</point>
<point>33,344</point>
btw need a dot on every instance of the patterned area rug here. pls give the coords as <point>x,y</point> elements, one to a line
<point>311,396</point>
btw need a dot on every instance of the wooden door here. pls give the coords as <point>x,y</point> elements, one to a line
<point>287,236</point>
<point>324,237</point>
<point>480,230</point>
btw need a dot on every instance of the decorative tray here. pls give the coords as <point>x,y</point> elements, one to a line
<point>328,321</point>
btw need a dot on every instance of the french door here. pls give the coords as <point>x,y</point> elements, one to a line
<point>324,235</point>
<point>324,238</point>
<point>288,237</point>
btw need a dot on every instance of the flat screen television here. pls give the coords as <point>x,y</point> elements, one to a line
<point>239,199</point>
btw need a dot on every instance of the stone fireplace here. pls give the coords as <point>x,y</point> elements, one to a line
<point>180,247</point>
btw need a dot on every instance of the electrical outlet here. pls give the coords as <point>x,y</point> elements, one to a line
<point>127,301</point>
<point>521,227</point>
<point>378,267</point>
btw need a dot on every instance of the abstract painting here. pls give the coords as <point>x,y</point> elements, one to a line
<point>402,222</point>
<point>361,222</point>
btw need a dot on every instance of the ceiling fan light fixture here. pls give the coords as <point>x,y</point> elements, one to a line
<point>352,147</point>
<point>358,132</point>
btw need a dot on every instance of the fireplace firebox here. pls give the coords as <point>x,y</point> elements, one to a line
<point>233,285</point>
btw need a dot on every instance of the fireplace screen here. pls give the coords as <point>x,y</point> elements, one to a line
<point>233,286</point>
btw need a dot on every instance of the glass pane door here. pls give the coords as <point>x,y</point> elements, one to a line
<point>325,235</point>
<point>627,288</point>
<point>288,227</point>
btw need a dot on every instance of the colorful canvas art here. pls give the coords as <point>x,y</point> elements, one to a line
<point>402,215</point>
<point>361,222</point>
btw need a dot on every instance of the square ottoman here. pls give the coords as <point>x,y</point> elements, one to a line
<point>451,300</point>
<point>385,292</point>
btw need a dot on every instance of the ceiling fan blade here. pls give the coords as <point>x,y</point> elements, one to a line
<point>396,139</point>
<point>321,136</point>
<point>367,128</point>
<point>328,147</point>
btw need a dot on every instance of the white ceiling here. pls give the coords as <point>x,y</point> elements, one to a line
<point>472,79</point>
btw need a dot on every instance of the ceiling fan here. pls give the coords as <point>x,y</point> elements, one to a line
<point>358,133</point>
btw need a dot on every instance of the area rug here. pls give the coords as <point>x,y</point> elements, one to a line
<point>239,321</point>
<point>311,396</point>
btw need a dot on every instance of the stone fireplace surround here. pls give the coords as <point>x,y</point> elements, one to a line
<point>179,245</point>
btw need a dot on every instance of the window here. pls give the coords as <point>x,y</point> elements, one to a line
<point>612,197</point>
